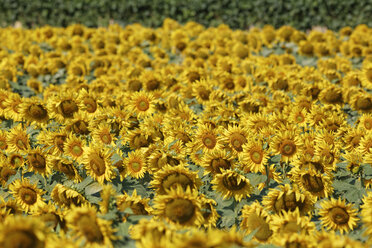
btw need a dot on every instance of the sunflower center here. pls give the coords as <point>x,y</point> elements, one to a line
<point>204,94</point>
<point>6,173</point>
<point>136,166</point>
<point>180,210</point>
<point>90,104</point>
<point>15,161</point>
<point>29,196</point>
<point>369,75</point>
<point>237,140</point>
<point>364,103</point>
<point>68,108</point>
<point>143,105</point>
<point>68,169</point>
<point>135,85</point>
<point>21,144</point>
<point>256,222</point>
<point>90,229</point>
<point>37,111</point>
<point>209,141</point>
<point>313,184</point>
<point>193,76</point>
<point>176,178</point>
<point>220,163</point>
<point>231,183</point>
<point>288,203</point>
<point>299,119</point>
<point>59,141</point>
<point>287,148</point>
<point>339,215</point>
<point>97,164</point>
<point>139,209</point>
<point>81,127</point>
<point>152,84</point>
<point>37,161</point>
<point>256,156</point>
<point>77,150</point>
<point>106,138</point>
<point>3,145</point>
<point>333,96</point>
<point>22,239</point>
<point>368,124</point>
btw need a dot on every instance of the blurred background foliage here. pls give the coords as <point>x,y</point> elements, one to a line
<point>301,14</point>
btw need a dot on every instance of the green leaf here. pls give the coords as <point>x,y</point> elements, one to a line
<point>250,236</point>
<point>93,188</point>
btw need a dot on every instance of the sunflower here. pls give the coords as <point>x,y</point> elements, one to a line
<point>28,196</point>
<point>38,161</point>
<point>63,106</point>
<point>107,195</point>
<point>231,184</point>
<point>254,157</point>
<point>169,177</point>
<point>366,214</point>
<point>18,140</point>
<point>80,124</point>
<point>3,140</point>
<point>331,95</point>
<point>290,223</point>
<point>207,139</point>
<point>51,216</point>
<point>235,137</point>
<point>88,227</point>
<point>5,171</point>
<point>288,199</point>
<point>74,147</point>
<point>137,138</point>
<point>4,95</point>
<point>337,215</point>
<point>88,102</point>
<point>330,156</point>
<point>23,231</point>
<point>366,76</point>
<point>135,164</point>
<point>66,167</point>
<point>216,160</point>
<point>287,144</point>
<point>142,104</point>
<point>316,183</point>
<point>66,197</point>
<point>138,205</point>
<point>15,160</point>
<point>329,238</point>
<point>255,217</point>
<point>33,111</point>
<point>365,122</point>
<point>97,162</point>
<point>102,135</point>
<point>209,211</point>
<point>53,140</point>
<point>10,207</point>
<point>294,240</point>
<point>156,227</point>
<point>202,90</point>
<point>352,138</point>
<point>180,207</point>
<point>12,106</point>
<point>361,102</point>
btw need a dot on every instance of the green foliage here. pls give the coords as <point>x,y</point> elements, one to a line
<point>302,14</point>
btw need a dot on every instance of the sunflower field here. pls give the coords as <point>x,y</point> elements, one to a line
<point>185,136</point>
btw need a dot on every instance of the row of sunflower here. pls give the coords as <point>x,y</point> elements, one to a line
<point>185,136</point>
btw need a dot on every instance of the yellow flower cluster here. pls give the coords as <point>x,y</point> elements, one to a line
<point>194,114</point>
